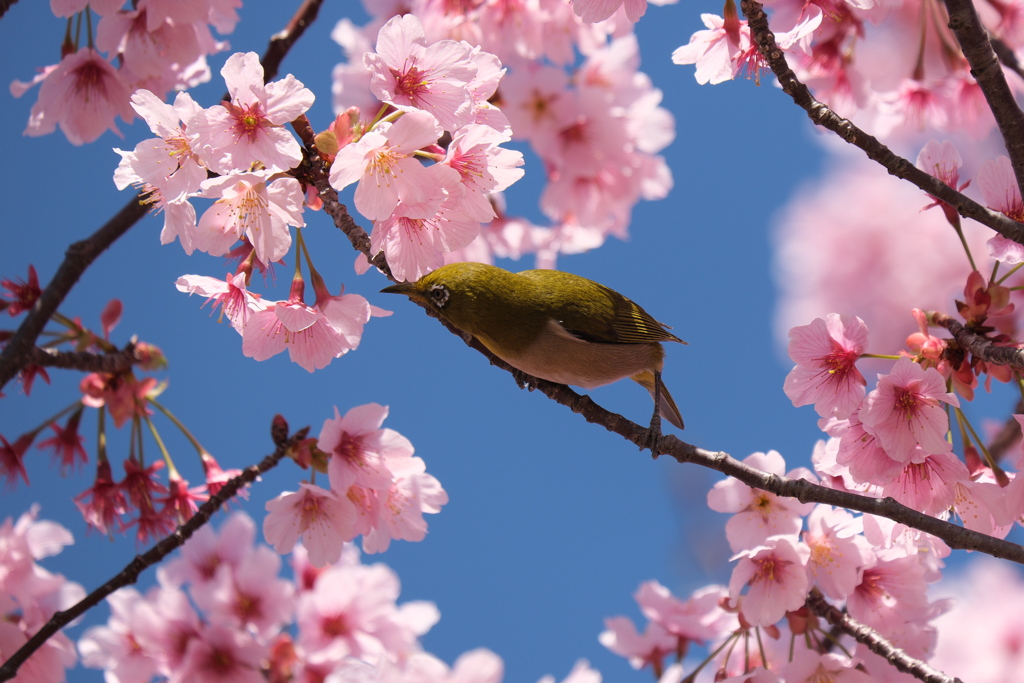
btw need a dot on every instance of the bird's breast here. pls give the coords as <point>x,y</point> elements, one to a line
<point>558,356</point>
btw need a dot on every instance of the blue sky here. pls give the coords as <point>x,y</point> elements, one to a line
<point>553,522</point>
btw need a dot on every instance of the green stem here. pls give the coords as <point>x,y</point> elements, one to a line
<point>177,423</point>
<point>1008,273</point>
<point>163,449</point>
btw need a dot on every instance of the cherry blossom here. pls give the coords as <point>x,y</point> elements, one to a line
<point>904,411</point>
<point>758,514</point>
<point>230,295</point>
<point>313,335</point>
<point>321,519</point>
<point>998,186</point>
<point>250,128</point>
<point>826,352</point>
<point>253,205</point>
<point>383,163</point>
<point>82,95</point>
<point>775,576</point>
<point>411,75</point>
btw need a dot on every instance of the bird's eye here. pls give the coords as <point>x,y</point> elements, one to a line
<point>439,295</point>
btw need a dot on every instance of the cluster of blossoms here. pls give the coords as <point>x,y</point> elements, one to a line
<point>377,489</point>
<point>221,611</point>
<point>139,499</point>
<point>422,212</point>
<point>878,571</point>
<point>924,81</point>
<point>256,203</point>
<point>158,46</point>
<point>30,595</point>
<point>597,126</point>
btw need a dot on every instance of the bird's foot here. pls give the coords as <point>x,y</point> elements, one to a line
<point>652,436</point>
<point>524,381</point>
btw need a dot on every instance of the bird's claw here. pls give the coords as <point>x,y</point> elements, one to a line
<point>652,437</point>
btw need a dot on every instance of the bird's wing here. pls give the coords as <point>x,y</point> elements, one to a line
<point>592,312</point>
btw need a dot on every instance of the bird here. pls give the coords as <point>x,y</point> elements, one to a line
<point>553,325</point>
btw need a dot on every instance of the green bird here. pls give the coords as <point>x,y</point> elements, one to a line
<point>553,325</point>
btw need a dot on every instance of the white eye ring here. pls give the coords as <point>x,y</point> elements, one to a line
<point>439,294</point>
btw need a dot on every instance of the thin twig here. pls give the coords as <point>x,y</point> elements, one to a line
<point>1008,436</point>
<point>19,349</point>
<point>873,641</point>
<point>1006,56</point>
<point>316,173</point>
<point>130,574</point>
<point>979,346</point>
<point>804,491</point>
<point>875,150</point>
<point>113,362</point>
<point>965,24</point>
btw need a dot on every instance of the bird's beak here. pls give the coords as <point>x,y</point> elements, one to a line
<point>407,288</point>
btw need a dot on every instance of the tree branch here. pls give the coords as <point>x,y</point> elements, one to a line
<point>875,150</point>
<point>880,646</point>
<point>130,574</point>
<point>316,173</point>
<point>982,348</point>
<point>804,491</point>
<point>113,362</point>
<point>1006,56</point>
<point>19,351</point>
<point>973,38</point>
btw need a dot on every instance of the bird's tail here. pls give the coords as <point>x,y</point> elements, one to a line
<point>668,408</point>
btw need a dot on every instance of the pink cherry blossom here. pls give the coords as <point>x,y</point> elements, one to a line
<point>812,667</point>
<point>863,456</point>
<point>758,514</point>
<point>998,186</point>
<point>775,576</point>
<point>892,594</point>
<point>313,335</point>
<point>352,611</point>
<point>250,128</point>
<point>321,519</point>
<point>156,52</point>
<point>416,246</point>
<point>251,596</point>
<point>67,444</point>
<point>592,11</point>
<point>904,411</point>
<point>888,275</point>
<point>928,484</point>
<point>980,638</point>
<point>383,163</point>
<point>222,654</point>
<point>166,162</point>
<point>409,74</point>
<point>716,51</point>
<point>208,550</point>
<point>825,353</point>
<point>838,551</point>
<point>581,673</point>
<point>483,166</point>
<point>247,204</point>
<point>82,95</point>
<point>400,509</point>
<point>230,295</point>
<point>700,618</point>
<point>360,451</point>
<point>103,503</point>
<point>115,646</point>
<point>646,649</point>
